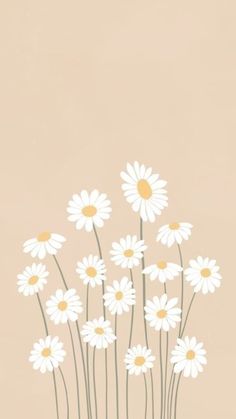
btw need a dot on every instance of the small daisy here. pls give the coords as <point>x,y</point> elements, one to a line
<point>128,252</point>
<point>64,306</point>
<point>32,279</point>
<point>174,233</point>
<point>203,275</point>
<point>120,296</point>
<point>98,333</point>
<point>139,359</point>
<point>87,210</point>
<point>47,354</point>
<point>91,270</point>
<point>144,191</point>
<point>44,243</point>
<point>163,271</point>
<point>188,356</point>
<point>162,313</point>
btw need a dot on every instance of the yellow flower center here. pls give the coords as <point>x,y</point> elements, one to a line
<point>128,253</point>
<point>43,237</point>
<point>46,352</point>
<point>99,331</point>
<point>205,272</point>
<point>190,355</point>
<point>91,271</point>
<point>174,226</point>
<point>62,305</point>
<point>139,361</point>
<point>161,264</point>
<point>161,314</point>
<point>119,295</point>
<point>89,210</point>
<point>33,280</point>
<point>144,189</point>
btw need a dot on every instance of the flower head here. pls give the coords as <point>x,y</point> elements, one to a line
<point>98,333</point>
<point>174,233</point>
<point>91,270</point>
<point>139,359</point>
<point>119,296</point>
<point>162,313</point>
<point>128,252</point>
<point>163,271</point>
<point>144,191</point>
<point>203,275</point>
<point>188,356</point>
<point>47,354</point>
<point>45,243</point>
<point>64,306</point>
<point>32,279</point>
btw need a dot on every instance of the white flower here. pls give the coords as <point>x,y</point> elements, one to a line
<point>188,356</point>
<point>144,191</point>
<point>44,243</point>
<point>32,279</point>
<point>89,209</point>
<point>163,271</point>
<point>139,359</point>
<point>203,275</point>
<point>91,270</point>
<point>64,306</point>
<point>174,233</point>
<point>128,252</point>
<point>47,354</point>
<point>98,333</point>
<point>162,313</point>
<point>120,296</point>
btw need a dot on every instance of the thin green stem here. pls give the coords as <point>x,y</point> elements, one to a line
<point>66,391</point>
<point>61,273</point>
<point>146,394</point>
<point>166,372</point>
<point>94,384</point>
<point>76,369</point>
<point>176,396</point>
<point>84,370</point>
<point>186,319</point>
<point>129,345</point>
<point>161,373</point>
<point>116,371</point>
<point>182,288</point>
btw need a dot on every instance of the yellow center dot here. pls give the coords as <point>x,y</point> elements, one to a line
<point>62,305</point>
<point>89,210</point>
<point>46,352</point>
<point>119,295</point>
<point>190,355</point>
<point>33,280</point>
<point>161,264</point>
<point>139,361</point>
<point>43,237</point>
<point>128,253</point>
<point>144,189</point>
<point>174,226</point>
<point>205,272</point>
<point>161,314</point>
<point>91,272</point>
<point>99,331</point>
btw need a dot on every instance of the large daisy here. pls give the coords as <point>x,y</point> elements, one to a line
<point>144,191</point>
<point>45,243</point>
<point>98,333</point>
<point>162,313</point>
<point>89,209</point>
<point>128,252</point>
<point>203,275</point>
<point>139,359</point>
<point>64,306</point>
<point>163,271</point>
<point>47,354</point>
<point>174,233</point>
<point>32,279</point>
<point>188,356</point>
<point>120,296</point>
<point>91,270</point>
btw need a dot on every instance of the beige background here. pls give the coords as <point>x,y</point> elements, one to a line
<point>86,87</point>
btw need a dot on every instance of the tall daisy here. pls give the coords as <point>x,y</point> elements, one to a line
<point>91,270</point>
<point>98,333</point>
<point>188,356</point>
<point>144,191</point>
<point>161,313</point>
<point>120,296</point>
<point>32,279</point>
<point>174,232</point>
<point>47,354</point>
<point>203,274</point>
<point>138,359</point>
<point>128,252</point>
<point>162,271</point>
<point>64,306</point>
<point>45,243</point>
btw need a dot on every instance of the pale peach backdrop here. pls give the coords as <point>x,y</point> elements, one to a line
<point>85,87</point>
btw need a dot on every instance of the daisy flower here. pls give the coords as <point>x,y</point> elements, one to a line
<point>188,356</point>
<point>128,252</point>
<point>119,296</point>
<point>203,275</point>
<point>47,354</point>
<point>98,333</point>
<point>139,359</point>
<point>64,306</point>
<point>162,313</point>
<point>144,191</point>
<point>87,210</point>
<point>163,271</point>
<point>44,243</point>
<point>91,270</point>
<point>32,279</point>
<point>174,233</point>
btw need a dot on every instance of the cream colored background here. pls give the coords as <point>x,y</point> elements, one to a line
<point>86,87</point>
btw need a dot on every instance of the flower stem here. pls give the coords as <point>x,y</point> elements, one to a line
<point>61,273</point>
<point>129,345</point>
<point>66,391</point>
<point>145,385</point>
<point>87,353</point>
<point>166,371</point>
<point>116,371</point>
<point>94,384</point>
<point>172,393</point>
<point>161,374</point>
<point>84,371</point>
<point>76,369</point>
<point>182,287</point>
<point>176,396</point>
<point>169,393</point>
<point>186,319</point>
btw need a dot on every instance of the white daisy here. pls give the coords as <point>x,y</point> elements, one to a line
<point>174,233</point>
<point>119,296</point>
<point>32,279</point>
<point>91,270</point>
<point>144,191</point>
<point>203,275</point>
<point>162,313</point>
<point>64,306</point>
<point>98,333</point>
<point>163,271</point>
<point>47,354</point>
<point>44,243</point>
<point>87,209</point>
<point>139,359</point>
<point>188,356</point>
<point>128,252</point>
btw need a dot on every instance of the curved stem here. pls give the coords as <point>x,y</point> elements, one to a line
<point>94,384</point>
<point>87,353</point>
<point>145,384</point>
<point>43,315</point>
<point>66,391</point>
<point>76,369</point>
<point>161,374</point>
<point>172,393</point>
<point>169,392</point>
<point>84,371</point>
<point>186,319</point>
<point>166,371</point>
<point>61,273</point>
<point>116,371</point>
<point>176,396</point>
<point>182,287</point>
<point>129,345</point>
